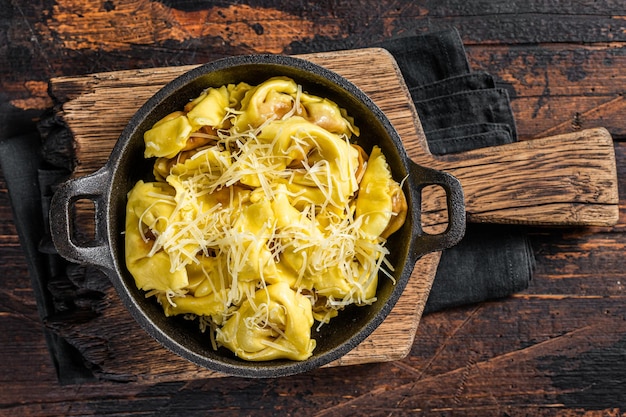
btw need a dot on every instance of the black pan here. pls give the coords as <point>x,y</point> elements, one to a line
<point>108,187</point>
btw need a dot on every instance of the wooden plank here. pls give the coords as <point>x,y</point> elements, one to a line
<point>559,88</point>
<point>531,378</point>
<point>80,38</point>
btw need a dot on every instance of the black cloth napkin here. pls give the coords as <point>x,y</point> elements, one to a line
<point>462,110</point>
<point>492,261</point>
<point>30,181</point>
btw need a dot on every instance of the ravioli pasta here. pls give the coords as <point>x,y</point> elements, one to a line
<point>263,217</point>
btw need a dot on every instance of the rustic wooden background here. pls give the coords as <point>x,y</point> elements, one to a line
<point>559,348</point>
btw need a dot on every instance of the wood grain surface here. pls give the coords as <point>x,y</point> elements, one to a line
<point>557,349</point>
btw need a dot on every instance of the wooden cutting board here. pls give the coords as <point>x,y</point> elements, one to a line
<point>561,180</point>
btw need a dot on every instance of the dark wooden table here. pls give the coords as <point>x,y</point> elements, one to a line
<point>558,348</point>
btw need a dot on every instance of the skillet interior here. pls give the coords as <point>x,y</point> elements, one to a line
<point>128,166</point>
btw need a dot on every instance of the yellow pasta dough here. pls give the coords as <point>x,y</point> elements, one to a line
<point>264,216</point>
<point>275,323</point>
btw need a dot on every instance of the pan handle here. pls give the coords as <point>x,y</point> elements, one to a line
<point>455,200</point>
<point>92,187</point>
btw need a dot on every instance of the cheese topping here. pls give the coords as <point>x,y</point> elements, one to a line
<point>264,227</point>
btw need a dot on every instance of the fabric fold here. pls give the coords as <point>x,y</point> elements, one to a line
<point>459,83</point>
<point>429,57</point>
<point>21,162</point>
<point>462,143</point>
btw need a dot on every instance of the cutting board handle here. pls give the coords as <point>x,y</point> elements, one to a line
<point>568,179</point>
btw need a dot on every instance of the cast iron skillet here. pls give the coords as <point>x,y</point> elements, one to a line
<point>108,187</point>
